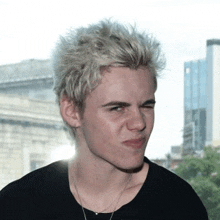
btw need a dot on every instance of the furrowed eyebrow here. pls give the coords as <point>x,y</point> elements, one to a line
<point>125,104</point>
<point>151,101</point>
<point>115,103</point>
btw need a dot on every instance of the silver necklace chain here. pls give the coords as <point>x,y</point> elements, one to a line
<point>84,214</point>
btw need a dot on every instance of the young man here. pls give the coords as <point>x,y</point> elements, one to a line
<point>105,81</point>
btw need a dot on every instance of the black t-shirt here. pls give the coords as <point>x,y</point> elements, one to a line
<point>45,194</point>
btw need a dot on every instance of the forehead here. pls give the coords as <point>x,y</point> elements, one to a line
<point>121,83</point>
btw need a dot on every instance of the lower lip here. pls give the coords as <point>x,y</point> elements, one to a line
<point>136,144</point>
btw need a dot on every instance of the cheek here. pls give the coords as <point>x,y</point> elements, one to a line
<point>97,130</point>
<point>107,129</point>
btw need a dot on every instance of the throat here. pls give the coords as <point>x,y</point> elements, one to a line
<point>103,203</point>
<point>112,195</point>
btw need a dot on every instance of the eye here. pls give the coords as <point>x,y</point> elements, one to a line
<point>117,108</point>
<point>149,106</point>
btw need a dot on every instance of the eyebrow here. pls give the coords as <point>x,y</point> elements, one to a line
<point>114,103</point>
<point>125,104</point>
<point>151,101</point>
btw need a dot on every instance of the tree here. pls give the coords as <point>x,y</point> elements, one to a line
<point>203,174</point>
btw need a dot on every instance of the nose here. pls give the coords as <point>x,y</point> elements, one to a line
<point>137,121</point>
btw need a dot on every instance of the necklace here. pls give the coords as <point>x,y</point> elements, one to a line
<point>84,214</point>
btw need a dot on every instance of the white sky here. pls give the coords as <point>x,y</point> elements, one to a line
<point>29,29</point>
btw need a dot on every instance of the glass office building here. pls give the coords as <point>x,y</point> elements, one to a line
<point>195,104</point>
<point>202,100</point>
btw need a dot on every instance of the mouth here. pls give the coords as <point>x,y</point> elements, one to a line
<point>135,143</point>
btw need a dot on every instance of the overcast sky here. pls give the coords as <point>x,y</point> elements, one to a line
<point>29,29</point>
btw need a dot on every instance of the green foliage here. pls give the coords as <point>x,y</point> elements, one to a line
<point>204,176</point>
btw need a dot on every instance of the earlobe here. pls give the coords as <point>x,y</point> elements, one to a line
<point>69,112</point>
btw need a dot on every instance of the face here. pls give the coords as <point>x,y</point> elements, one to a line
<point>118,118</point>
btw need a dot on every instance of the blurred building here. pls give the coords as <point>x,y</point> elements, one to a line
<point>31,132</point>
<point>176,152</point>
<point>202,101</point>
<point>172,160</point>
<point>213,93</point>
<point>195,80</point>
<point>30,78</point>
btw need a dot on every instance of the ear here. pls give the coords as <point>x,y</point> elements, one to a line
<point>69,112</point>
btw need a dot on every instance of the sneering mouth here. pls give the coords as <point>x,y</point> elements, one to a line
<point>135,143</point>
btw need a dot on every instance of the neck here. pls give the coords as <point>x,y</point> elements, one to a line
<point>98,191</point>
<point>96,173</point>
<point>97,178</point>
<point>100,184</point>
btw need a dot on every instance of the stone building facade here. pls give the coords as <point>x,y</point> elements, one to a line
<point>30,131</point>
<point>30,78</point>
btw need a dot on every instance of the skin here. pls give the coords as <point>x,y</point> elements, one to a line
<point>111,137</point>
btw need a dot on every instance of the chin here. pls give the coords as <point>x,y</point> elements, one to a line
<point>132,165</point>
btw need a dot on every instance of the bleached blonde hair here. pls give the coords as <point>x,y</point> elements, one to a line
<point>81,55</point>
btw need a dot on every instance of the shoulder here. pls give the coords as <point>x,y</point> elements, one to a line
<point>38,194</point>
<point>38,181</point>
<point>164,177</point>
<point>173,194</point>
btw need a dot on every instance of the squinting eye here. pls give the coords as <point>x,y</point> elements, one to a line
<point>148,106</point>
<point>117,108</point>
